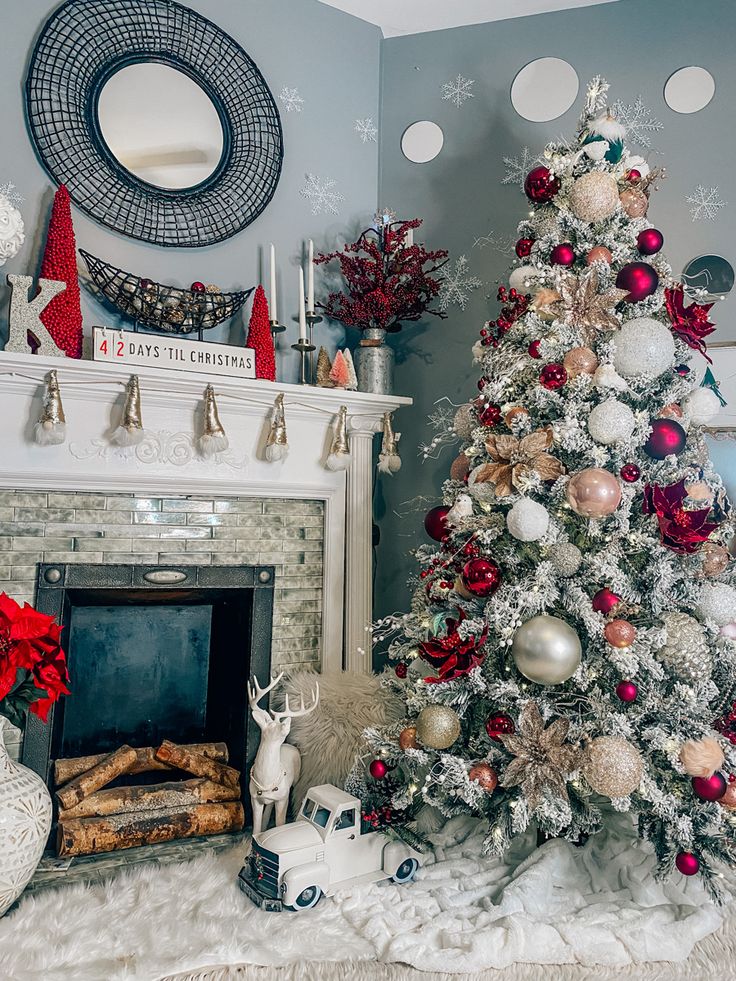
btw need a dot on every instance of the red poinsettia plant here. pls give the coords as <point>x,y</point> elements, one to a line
<point>453,655</point>
<point>388,280</point>
<point>681,529</point>
<point>33,670</point>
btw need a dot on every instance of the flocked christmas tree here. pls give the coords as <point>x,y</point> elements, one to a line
<point>570,643</point>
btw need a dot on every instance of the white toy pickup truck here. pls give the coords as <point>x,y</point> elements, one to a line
<point>324,850</point>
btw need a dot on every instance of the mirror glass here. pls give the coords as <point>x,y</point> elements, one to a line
<point>422,141</point>
<point>689,89</point>
<point>160,125</point>
<point>544,89</point>
<point>711,273</point>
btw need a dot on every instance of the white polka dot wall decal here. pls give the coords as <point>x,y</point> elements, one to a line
<point>422,141</point>
<point>689,89</point>
<point>544,89</point>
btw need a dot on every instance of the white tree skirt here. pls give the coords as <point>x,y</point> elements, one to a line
<point>551,905</point>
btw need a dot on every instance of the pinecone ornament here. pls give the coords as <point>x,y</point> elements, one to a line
<point>685,652</point>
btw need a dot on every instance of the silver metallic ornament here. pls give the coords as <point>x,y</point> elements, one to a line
<point>566,558</point>
<point>546,650</point>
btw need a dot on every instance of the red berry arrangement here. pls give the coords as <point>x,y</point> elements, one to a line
<point>62,318</point>
<point>517,305</point>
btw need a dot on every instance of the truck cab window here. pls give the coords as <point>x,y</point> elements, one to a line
<point>308,808</point>
<point>346,820</point>
<point>321,816</point>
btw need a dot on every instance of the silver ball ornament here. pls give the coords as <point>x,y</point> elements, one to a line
<point>527,520</point>
<point>717,603</point>
<point>438,726</point>
<point>643,347</point>
<point>594,196</point>
<point>613,767</point>
<point>610,422</point>
<point>566,559</point>
<point>546,650</point>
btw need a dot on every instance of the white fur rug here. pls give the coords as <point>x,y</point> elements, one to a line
<point>554,905</point>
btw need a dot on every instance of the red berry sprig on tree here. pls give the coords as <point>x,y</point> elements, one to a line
<point>62,317</point>
<point>517,305</point>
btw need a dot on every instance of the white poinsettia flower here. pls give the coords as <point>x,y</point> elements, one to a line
<point>12,230</point>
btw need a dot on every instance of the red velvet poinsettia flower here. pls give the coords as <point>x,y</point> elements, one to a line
<point>452,655</point>
<point>683,531</point>
<point>689,323</point>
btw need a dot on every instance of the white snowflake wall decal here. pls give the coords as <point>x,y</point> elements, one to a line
<point>638,120</point>
<point>518,167</point>
<point>322,195</point>
<point>705,203</point>
<point>8,190</point>
<point>457,285</point>
<point>291,99</point>
<point>458,90</point>
<point>367,130</point>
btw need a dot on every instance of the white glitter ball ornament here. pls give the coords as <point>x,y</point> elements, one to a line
<point>610,422</point>
<point>613,767</point>
<point>566,558</point>
<point>643,347</point>
<point>527,520</point>
<point>594,197</point>
<point>521,278</point>
<point>701,406</point>
<point>717,603</point>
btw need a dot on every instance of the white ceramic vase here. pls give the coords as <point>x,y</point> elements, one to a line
<point>25,822</point>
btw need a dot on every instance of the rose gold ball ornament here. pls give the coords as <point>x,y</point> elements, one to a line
<point>671,411</point>
<point>580,361</point>
<point>715,559</point>
<point>698,490</point>
<point>485,776</point>
<point>408,738</point>
<point>620,633</point>
<point>634,202</point>
<point>460,467</point>
<point>599,253</point>
<point>593,493</point>
<point>729,798</point>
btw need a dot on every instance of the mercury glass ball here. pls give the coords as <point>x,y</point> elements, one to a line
<point>566,559</point>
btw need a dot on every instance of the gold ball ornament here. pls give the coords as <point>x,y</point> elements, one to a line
<point>408,738</point>
<point>485,775</point>
<point>714,559</point>
<point>593,493</point>
<point>634,202</point>
<point>580,361</point>
<point>599,253</point>
<point>594,196</point>
<point>438,726</point>
<point>613,767</point>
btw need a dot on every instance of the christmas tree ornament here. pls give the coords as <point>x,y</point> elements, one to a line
<point>681,530</point>
<point>670,411</point>
<point>580,361</point>
<point>339,374</point>
<point>27,334</point>
<point>435,522</point>
<point>701,406</point>
<point>630,473</point>
<point>460,467</point>
<point>464,421</point>
<point>540,186</point>
<point>339,456</point>
<point>514,459</point>
<point>213,439</point>
<point>498,725</point>
<point>553,376</point>
<point>606,377</point>
<point>378,769</point>
<point>605,126</point>
<point>524,247</point>
<point>260,337</point>
<point>277,443</point>
<point>714,559</point>
<point>709,788</point>
<point>691,323</point>
<point>197,287</point>
<point>523,277</point>
<point>699,491</point>
<point>401,669</point>
<point>599,253</point>
<point>479,486</point>
<point>562,255</point>
<point>546,650</point>
<point>408,738</point>
<point>481,577</point>
<point>515,413</point>
<point>649,241</point>
<point>594,196</point>
<point>62,317</point>
<point>489,414</point>
<point>324,367</point>
<point>12,230</point>
<point>627,691</point>
<point>605,601</point>
<point>687,863</point>
<point>578,303</point>
<point>717,603</point>
<point>484,775</point>
<point>620,633</point>
<point>533,350</point>
<point>643,347</point>
<point>685,651</point>
<point>666,438</point>
<point>610,422</point>
<point>613,766</point>
<point>639,279</point>
<point>593,493</point>
<point>702,757</point>
<point>452,651</point>
<point>50,430</point>
<point>130,432</point>
<point>542,760</point>
<point>527,520</point>
<point>460,511</point>
<point>389,460</point>
<point>729,798</point>
<point>437,726</point>
<point>634,202</point>
<point>566,559</point>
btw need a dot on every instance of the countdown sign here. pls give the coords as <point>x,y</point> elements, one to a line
<point>151,350</point>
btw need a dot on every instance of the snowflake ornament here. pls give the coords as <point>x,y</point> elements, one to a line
<point>458,91</point>
<point>458,285</point>
<point>517,168</point>
<point>322,195</point>
<point>291,99</point>
<point>638,120</point>
<point>367,130</point>
<point>705,203</point>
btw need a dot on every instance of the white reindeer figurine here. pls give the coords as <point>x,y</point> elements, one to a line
<point>277,765</point>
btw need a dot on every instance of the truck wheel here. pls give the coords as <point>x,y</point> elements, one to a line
<point>406,871</point>
<point>307,898</point>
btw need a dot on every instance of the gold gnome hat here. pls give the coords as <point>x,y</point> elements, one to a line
<point>389,460</point>
<point>339,458</point>
<point>277,444</point>
<point>213,439</point>
<point>50,430</point>
<point>130,431</point>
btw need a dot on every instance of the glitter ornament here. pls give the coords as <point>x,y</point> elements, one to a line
<point>649,241</point>
<point>546,650</point>
<point>701,406</point>
<point>408,738</point>
<point>613,766</point>
<point>464,422</point>
<point>709,788</point>
<point>566,559</point>
<point>378,769</point>
<point>610,422</point>
<point>685,651</point>
<point>484,775</point>
<point>594,196</point>
<point>62,316</point>
<point>580,361</point>
<point>401,670</point>
<point>593,493</point>
<point>634,202</point>
<point>701,757</point>
<point>643,347</point>
<point>553,376</point>
<point>527,520</point>
<point>499,725</point>
<point>481,577</point>
<point>437,726</point>
<point>639,279</point>
<point>717,603</point>
<point>627,691</point>
<point>667,437</point>
<point>524,247</point>
<point>620,633</point>
<point>562,255</point>
<point>489,414</point>
<point>540,186</point>
<point>714,559</point>
<point>630,473</point>
<point>599,253</point>
<point>435,522</point>
<point>605,601</point>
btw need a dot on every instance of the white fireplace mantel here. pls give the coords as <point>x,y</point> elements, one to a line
<point>167,461</point>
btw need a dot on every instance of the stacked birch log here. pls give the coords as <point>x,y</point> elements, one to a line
<point>93,819</point>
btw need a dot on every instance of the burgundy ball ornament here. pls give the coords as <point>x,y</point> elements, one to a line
<point>667,437</point>
<point>146,284</point>
<point>649,241</point>
<point>633,176</point>
<point>627,691</point>
<point>709,788</point>
<point>524,247</point>
<point>605,600</point>
<point>197,287</point>
<point>378,769</point>
<point>435,522</point>
<point>481,577</point>
<point>630,473</point>
<point>401,670</point>
<point>639,278</point>
<point>553,376</point>
<point>499,725</point>
<point>562,255</point>
<point>540,186</point>
<point>687,863</point>
<point>533,350</point>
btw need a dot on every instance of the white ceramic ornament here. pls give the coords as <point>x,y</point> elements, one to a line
<point>717,603</point>
<point>701,406</point>
<point>546,650</point>
<point>527,520</point>
<point>606,376</point>
<point>461,509</point>
<point>12,231</point>
<point>519,278</point>
<point>610,422</point>
<point>643,347</point>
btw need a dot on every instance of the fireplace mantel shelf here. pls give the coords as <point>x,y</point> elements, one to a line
<point>167,461</point>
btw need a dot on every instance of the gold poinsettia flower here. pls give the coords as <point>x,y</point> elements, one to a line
<point>542,758</point>
<point>514,459</point>
<point>579,304</point>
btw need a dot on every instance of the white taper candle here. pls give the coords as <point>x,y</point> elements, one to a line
<point>302,311</point>
<point>274,308</point>
<point>310,278</point>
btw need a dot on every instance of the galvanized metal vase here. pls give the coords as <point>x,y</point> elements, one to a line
<point>374,363</point>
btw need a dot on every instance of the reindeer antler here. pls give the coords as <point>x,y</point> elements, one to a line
<point>290,713</point>
<point>256,693</point>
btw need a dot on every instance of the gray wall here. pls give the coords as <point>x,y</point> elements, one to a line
<point>636,45</point>
<point>332,58</point>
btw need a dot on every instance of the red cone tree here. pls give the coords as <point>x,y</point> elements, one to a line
<point>260,339</point>
<point>62,318</point>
